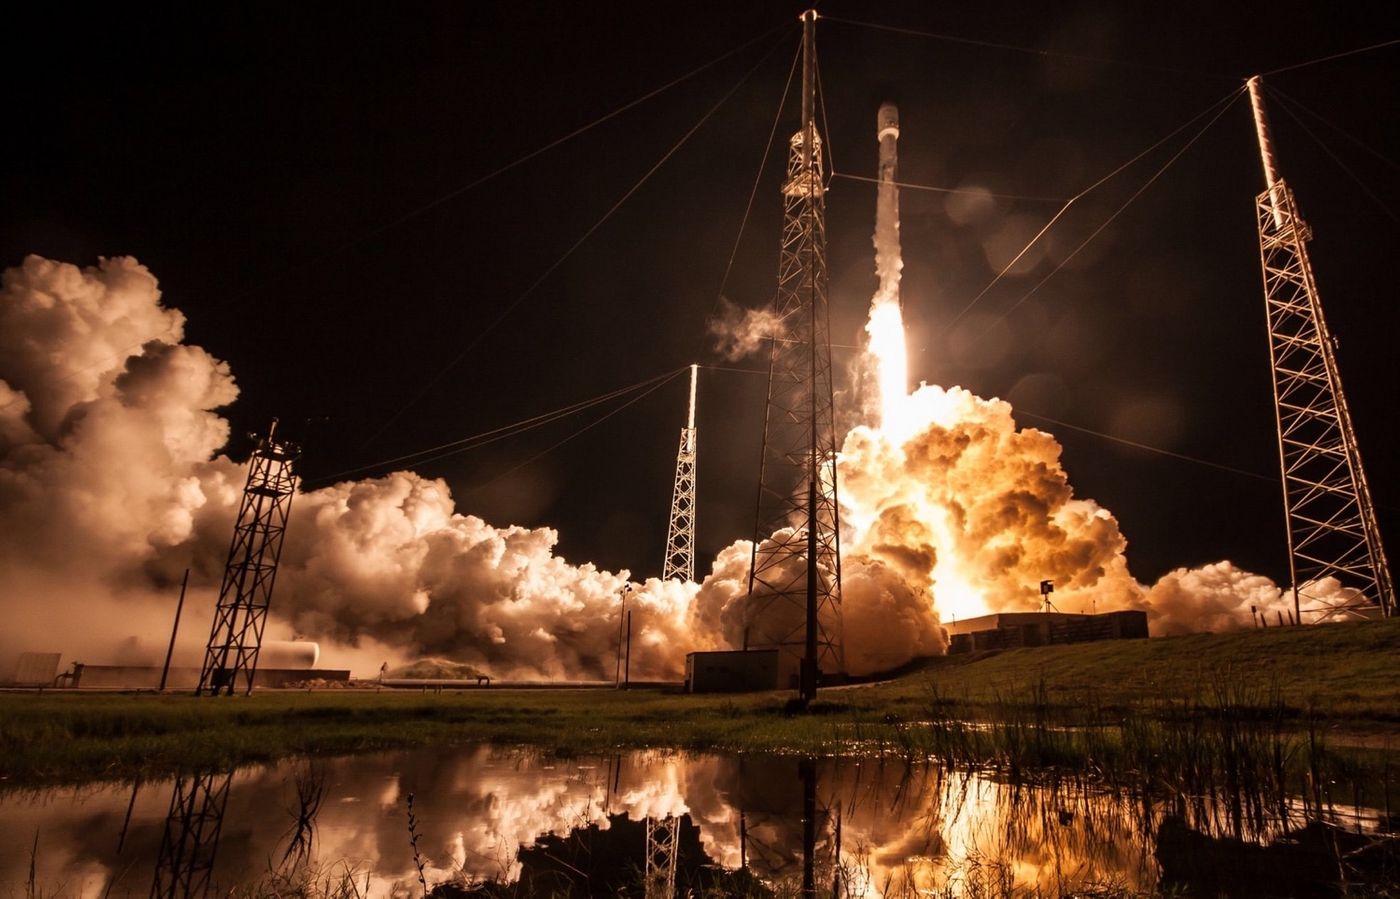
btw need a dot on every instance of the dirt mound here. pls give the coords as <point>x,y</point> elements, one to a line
<point>435,669</point>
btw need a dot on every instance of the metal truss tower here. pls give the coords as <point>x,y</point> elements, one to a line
<point>235,638</point>
<point>1331,522</point>
<point>190,840</point>
<point>663,844</point>
<point>680,538</point>
<point>794,602</point>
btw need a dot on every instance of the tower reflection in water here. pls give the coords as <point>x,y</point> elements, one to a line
<point>501,821</point>
<point>190,841</point>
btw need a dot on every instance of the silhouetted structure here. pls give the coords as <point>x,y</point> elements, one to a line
<point>235,639</point>
<point>1331,522</point>
<point>680,536</point>
<point>190,840</point>
<point>794,602</point>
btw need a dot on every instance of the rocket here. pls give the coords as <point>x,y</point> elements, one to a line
<point>887,253</point>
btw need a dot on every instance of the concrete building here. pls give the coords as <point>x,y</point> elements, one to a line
<point>1008,630</point>
<point>733,671</point>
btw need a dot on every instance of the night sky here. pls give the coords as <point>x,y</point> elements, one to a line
<point>293,174</point>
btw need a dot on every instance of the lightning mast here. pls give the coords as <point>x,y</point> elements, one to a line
<point>235,638</point>
<point>1331,522</point>
<point>794,602</point>
<point>680,538</point>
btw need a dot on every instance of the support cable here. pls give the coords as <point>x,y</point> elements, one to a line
<point>1119,211</point>
<point>826,120</point>
<point>552,267</point>
<point>588,427</point>
<point>1085,192</point>
<point>951,190</point>
<point>1344,53</point>
<point>753,192</point>
<point>464,444</point>
<point>1365,188</point>
<point>1033,51</point>
<point>538,151</point>
<point>1149,448</point>
<point>1274,91</point>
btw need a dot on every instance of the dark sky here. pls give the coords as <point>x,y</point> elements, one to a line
<point>271,164</point>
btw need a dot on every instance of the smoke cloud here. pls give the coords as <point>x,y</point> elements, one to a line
<point>738,333</point>
<point>113,481</point>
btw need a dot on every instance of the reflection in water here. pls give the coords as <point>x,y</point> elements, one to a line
<point>504,822</point>
<point>190,839</point>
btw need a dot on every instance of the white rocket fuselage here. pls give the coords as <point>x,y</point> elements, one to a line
<point>887,251</point>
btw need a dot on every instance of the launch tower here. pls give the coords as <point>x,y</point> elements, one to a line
<point>794,601</point>
<point>235,638</point>
<point>1331,522</point>
<point>680,538</point>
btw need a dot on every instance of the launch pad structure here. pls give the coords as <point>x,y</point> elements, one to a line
<point>1330,518</point>
<point>680,536</point>
<point>235,637</point>
<point>794,591</point>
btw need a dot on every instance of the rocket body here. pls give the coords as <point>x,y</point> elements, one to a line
<point>888,262</point>
<point>886,325</point>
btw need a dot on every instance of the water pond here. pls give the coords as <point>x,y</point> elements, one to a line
<point>494,821</point>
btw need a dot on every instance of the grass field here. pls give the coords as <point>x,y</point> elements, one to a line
<point>1335,676</point>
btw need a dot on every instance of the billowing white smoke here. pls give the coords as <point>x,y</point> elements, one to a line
<point>390,558</point>
<point>107,467</point>
<point>111,484</point>
<point>739,332</point>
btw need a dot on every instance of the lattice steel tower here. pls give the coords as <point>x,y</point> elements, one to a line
<point>794,602</point>
<point>680,537</point>
<point>1331,522</point>
<point>663,845</point>
<point>190,841</point>
<point>235,638</point>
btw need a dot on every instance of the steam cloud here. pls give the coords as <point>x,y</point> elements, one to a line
<point>112,483</point>
<point>737,332</point>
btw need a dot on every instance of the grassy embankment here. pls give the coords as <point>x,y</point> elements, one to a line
<point>1297,679</point>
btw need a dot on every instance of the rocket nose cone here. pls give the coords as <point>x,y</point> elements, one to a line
<point>887,120</point>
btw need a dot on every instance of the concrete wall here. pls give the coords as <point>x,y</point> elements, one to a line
<point>140,677</point>
<point>1017,629</point>
<point>734,671</point>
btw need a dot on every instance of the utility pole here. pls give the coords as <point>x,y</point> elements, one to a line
<point>621,628</point>
<point>680,538</point>
<point>794,602</point>
<point>1328,514</point>
<point>174,629</point>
